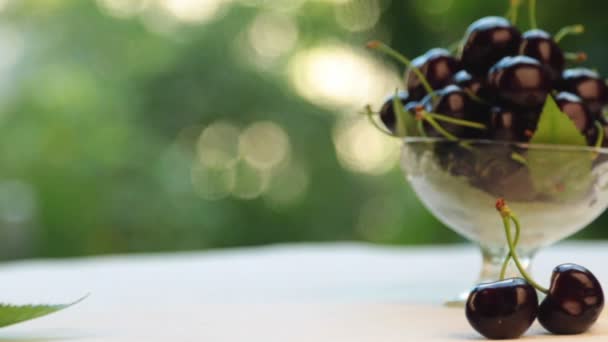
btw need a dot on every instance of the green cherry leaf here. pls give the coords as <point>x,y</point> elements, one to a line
<point>13,314</point>
<point>405,123</point>
<point>555,127</point>
<point>559,174</point>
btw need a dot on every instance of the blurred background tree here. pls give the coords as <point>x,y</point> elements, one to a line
<point>157,125</point>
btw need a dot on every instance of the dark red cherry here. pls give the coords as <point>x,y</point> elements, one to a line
<point>576,109</point>
<point>466,81</point>
<point>503,309</point>
<point>514,125</point>
<point>437,65</point>
<point>539,45</point>
<point>574,302</point>
<point>499,174</point>
<point>487,41</point>
<point>475,86</point>
<point>454,102</point>
<point>455,159</point>
<point>588,85</point>
<point>387,111</point>
<point>519,81</point>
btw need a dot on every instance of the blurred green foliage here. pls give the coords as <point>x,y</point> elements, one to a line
<point>104,105</point>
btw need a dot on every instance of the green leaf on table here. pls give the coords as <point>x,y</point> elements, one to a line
<point>405,123</point>
<point>13,314</point>
<point>555,127</point>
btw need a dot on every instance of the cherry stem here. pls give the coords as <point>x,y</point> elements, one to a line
<point>424,116</point>
<point>378,45</point>
<point>513,11</point>
<point>577,57</point>
<point>505,263</point>
<point>420,126</point>
<point>519,158</point>
<point>568,30</point>
<point>600,137</point>
<point>520,267</point>
<point>370,115</point>
<point>507,217</point>
<point>474,97</point>
<point>455,47</point>
<point>460,122</point>
<point>532,13</point>
<point>399,115</point>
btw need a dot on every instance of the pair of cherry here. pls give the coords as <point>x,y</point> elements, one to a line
<point>507,308</point>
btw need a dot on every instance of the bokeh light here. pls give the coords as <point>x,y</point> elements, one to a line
<point>358,15</point>
<point>212,183</point>
<point>337,2</point>
<point>361,148</point>
<point>4,4</point>
<point>12,46</point>
<point>264,145</point>
<point>272,35</point>
<point>336,76</point>
<point>218,145</point>
<point>250,182</point>
<point>288,185</point>
<point>193,11</point>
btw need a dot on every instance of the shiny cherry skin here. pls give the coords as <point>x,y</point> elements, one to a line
<point>588,85</point>
<point>519,81</point>
<point>577,111</point>
<point>487,41</point>
<point>503,309</point>
<point>574,302</point>
<point>437,65</point>
<point>387,111</point>
<point>515,125</point>
<point>468,82</point>
<point>475,86</point>
<point>454,102</point>
<point>539,45</point>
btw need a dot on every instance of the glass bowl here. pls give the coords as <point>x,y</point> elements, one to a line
<point>555,190</point>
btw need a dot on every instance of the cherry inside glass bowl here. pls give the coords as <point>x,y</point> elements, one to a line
<point>555,190</point>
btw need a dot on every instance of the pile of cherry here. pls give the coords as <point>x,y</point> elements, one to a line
<point>500,80</point>
<point>496,89</point>
<point>507,308</point>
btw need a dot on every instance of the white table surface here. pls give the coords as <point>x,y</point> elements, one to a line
<point>331,292</point>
